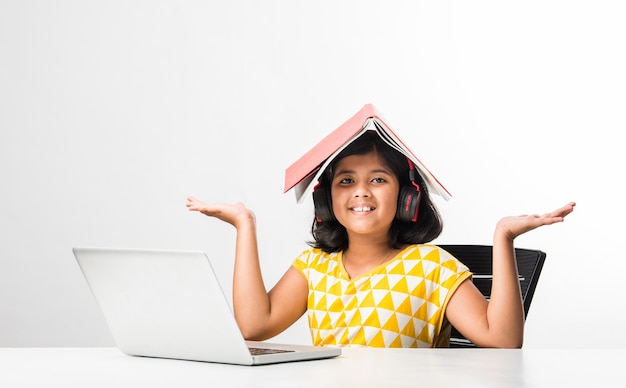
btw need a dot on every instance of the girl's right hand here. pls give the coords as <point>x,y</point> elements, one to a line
<point>234,214</point>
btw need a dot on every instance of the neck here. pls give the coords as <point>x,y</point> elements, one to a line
<point>368,254</point>
<point>359,261</point>
<point>362,248</point>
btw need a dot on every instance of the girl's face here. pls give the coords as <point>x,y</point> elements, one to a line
<point>364,194</point>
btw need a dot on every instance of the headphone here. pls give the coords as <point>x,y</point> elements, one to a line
<point>409,198</point>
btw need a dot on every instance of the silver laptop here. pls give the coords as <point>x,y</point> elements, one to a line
<point>169,304</point>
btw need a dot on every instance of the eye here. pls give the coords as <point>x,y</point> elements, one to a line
<point>346,181</point>
<point>379,180</point>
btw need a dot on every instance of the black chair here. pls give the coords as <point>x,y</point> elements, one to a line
<point>478,259</point>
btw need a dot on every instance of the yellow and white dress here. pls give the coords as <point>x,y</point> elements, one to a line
<point>400,303</point>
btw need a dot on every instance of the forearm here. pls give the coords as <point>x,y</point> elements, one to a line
<point>505,312</point>
<point>250,299</point>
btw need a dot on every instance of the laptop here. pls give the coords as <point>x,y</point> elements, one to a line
<point>169,304</point>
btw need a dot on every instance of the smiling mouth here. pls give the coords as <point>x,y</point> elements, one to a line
<point>362,209</point>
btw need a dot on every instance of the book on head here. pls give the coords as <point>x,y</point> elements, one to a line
<point>304,172</point>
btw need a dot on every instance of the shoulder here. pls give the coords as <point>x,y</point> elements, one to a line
<point>430,251</point>
<point>313,257</point>
<point>434,254</point>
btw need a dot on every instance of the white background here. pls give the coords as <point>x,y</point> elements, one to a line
<point>113,112</point>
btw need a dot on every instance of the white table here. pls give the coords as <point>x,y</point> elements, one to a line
<point>357,367</point>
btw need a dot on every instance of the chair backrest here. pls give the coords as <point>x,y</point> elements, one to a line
<point>479,259</point>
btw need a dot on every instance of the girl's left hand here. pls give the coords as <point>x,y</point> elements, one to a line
<point>514,226</point>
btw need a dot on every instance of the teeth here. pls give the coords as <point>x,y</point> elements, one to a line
<point>362,209</point>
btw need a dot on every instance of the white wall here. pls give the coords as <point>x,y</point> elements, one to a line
<point>113,112</point>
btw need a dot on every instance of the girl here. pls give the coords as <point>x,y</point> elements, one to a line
<point>371,278</point>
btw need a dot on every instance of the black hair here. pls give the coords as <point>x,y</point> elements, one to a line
<point>331,236</point>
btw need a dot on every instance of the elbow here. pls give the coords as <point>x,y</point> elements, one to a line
<point>248,332</point>
<point>512,345</point>
<point>252,335</point>
<point>518,344</point>
<point>514,341</point>
<point>251,332</point>
<point>509,342</point>
<point>503,342</point>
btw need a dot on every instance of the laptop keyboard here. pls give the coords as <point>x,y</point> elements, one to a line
<point>260,351</point>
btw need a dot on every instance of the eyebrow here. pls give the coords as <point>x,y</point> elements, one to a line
<point>377,171</point>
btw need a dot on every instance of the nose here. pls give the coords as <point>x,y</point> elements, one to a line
<point>361,190</point>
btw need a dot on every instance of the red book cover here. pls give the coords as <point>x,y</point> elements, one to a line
<point>303,173</point>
